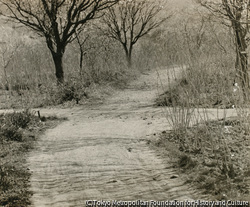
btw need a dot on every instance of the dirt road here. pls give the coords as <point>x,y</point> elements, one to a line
<point>101,152</point>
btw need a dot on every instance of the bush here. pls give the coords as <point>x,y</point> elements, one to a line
<point>67,92</point>
<point>214,155</point>
<point>12,122</point>
<point>19,119</point>
<point>74,89</point>
<point>202,86</point>
<point>11,133</point>
<point>186,161</point>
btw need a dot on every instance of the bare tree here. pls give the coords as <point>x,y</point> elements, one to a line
<point>130,20</point>
<point>235,14</point>
<point>57,20</point>
<point>7,57</point>
<point>81,44</point>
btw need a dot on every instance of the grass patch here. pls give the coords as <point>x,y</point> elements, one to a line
<point>203,88</point>
<point>18,132</point>
<point>29,80</point>
<point>213,156</point>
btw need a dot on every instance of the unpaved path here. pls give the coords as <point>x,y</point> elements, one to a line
<point>101,152</point>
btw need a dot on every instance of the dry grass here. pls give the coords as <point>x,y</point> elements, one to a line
<point>207,81</point>
<point>212,152</point>
<point>18,131</point>
<point>213,157</point>
<point>28,79</point>
<point>203,86</point>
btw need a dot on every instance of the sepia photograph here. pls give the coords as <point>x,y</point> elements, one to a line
<point>124,103</point>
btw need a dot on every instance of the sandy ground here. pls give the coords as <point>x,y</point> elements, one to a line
<point>101,152</point>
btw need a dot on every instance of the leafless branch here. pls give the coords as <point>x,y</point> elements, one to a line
<point>131,20</point>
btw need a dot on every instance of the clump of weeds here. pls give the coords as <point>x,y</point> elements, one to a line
<point>18,133</point>
<point>214,155</point>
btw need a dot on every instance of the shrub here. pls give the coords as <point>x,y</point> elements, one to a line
<point>74,89</point>
<point>11,133</point>
<point>19,119</point>
<point>186,161</point>
<point>214,154</point>
<point>201,86</point>
<point>12,122</point>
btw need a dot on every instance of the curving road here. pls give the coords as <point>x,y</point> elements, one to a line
<point>101,152</point>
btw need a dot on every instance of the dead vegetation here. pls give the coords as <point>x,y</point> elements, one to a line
<point>209,115</point>
<point>18,133</point>
<point>214,153</point>
<point>213,156</point>
<point>35,84</point>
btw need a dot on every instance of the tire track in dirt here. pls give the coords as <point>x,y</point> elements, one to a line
<point>101,152</point>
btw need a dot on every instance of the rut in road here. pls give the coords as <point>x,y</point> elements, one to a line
<point>101,152</point>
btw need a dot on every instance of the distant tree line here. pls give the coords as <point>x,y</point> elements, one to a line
<point>61,21</point>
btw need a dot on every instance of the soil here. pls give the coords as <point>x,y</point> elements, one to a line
<point>102,151</point>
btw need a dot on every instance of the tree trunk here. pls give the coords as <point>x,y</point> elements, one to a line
<point>244,74</point>
<point>129,61</point>
<point>242,60</point>
<point>81,62</point>
<point>58,61</point>
<point>128,52</point>
<point>129,57</point>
